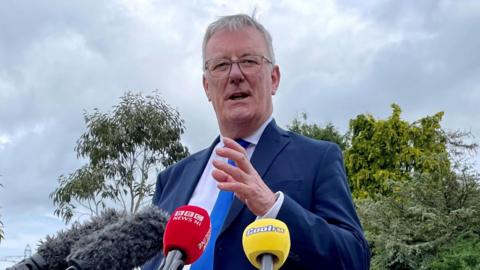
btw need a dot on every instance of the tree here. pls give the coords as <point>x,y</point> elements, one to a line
<point>461,255</point>
<point>327,133</point>
<point>432,212</point>
<point>121,148</point>
<point>415,191</point>
<point>382,151</point>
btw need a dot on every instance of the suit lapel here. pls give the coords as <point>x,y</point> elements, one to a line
<point>273,140</point>
<point>271,143</point>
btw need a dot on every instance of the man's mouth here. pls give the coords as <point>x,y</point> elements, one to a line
<point>238,96</point>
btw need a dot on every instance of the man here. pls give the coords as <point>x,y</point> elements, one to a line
<point>278,174</point>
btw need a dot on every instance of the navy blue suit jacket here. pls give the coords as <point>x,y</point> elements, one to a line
<point>318,210</point>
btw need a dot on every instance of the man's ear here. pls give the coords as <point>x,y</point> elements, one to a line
<point>275,76</point>
<point>205,87</point>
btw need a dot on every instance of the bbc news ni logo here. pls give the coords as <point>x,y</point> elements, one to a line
<point>189,216</point>
<point>269,228</point>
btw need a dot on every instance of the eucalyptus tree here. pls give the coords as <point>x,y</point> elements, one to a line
<point>123,149</point>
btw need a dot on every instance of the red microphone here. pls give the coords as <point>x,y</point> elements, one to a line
<point>186,236</point>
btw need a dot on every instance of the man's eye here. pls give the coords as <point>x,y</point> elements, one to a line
<point>249,61</point>
<point>221,66</point>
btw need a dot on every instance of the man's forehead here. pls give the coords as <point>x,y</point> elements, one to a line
<point>244,41</point>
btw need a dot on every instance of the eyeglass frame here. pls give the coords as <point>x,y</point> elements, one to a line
<point>264,58</point>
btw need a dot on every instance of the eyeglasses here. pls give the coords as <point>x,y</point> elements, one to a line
<point>220,68</point>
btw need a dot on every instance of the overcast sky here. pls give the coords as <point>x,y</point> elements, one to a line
<point>338,59</point>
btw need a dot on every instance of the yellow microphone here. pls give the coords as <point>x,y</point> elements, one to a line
<point>266,243</point>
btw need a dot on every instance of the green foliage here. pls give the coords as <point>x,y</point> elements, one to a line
<point>416,194</point>
<point>424,214</point>
<point>121,147</point>
<point>327,133</point>
<point>462,254</point>
<point>385,151</point>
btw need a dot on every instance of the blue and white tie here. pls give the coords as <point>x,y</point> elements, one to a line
<point>217,217</point>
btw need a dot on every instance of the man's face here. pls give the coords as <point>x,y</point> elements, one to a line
<point>239,98</point>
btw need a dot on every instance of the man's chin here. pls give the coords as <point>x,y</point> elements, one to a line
<point>240,119</point>
<point>240,112</point>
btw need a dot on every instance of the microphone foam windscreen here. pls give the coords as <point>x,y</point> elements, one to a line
<point>188,230</point>
<point>126,244</point>
<point>266,236</point>
<point>55,249</point>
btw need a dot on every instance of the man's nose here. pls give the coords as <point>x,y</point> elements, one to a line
<point>236,75</point>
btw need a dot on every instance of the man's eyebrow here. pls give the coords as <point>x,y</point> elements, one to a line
<point>218,58</point>
<point>229,58</point>
<point>248,54</point>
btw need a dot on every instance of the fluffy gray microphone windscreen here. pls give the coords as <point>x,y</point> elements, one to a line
<point>126,244</point>
<point>53,251</point>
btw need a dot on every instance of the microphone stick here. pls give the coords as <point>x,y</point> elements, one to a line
<point>173,260</point>
<point>267,262</point>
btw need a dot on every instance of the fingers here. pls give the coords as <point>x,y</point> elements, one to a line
<point>221,176</point>
<point>243,180</point>
<point>229,143</point>
<point>241,191</point>
<point>258,198</point>
<point>235,152</point>
<point>226,182</point>
<point>235,172</point>
<point>235,187</point>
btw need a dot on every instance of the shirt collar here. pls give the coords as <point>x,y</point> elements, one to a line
<point>255,136</point>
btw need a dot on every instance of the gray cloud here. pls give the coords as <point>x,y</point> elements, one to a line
<point>419,56</point>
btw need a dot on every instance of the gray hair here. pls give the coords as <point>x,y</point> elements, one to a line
<point>235,23</point>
